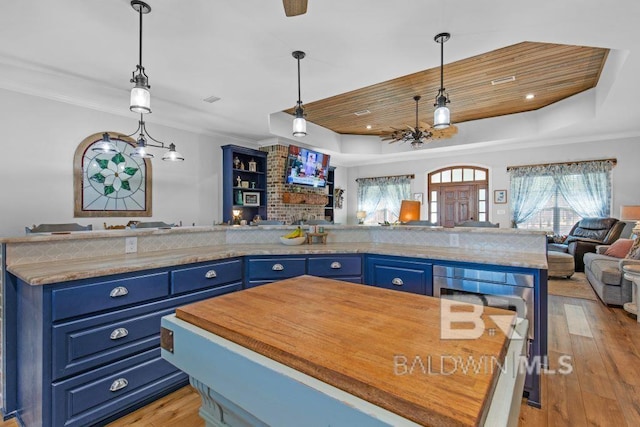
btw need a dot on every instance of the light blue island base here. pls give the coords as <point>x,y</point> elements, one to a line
<point>240,387</point>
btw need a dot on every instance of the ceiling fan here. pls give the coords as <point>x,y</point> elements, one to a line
<point>295,7</point>
<point>417,136</point>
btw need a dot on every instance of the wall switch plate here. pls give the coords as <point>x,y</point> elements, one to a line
<point>501,212</point>
<point>454,240</point>
<point>130,245</point>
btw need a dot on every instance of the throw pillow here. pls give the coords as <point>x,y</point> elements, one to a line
<point>634,252</point>
<point>620,248</point>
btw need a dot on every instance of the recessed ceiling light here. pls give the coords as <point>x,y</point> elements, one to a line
<point>530,96</point>
<point>368,126</point>
<point>362,112</point>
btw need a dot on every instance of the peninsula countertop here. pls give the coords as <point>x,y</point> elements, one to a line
<point>43,273</point>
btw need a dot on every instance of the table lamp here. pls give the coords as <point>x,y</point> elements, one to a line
<point>631,213</point>
<point>236,216</point>
<point>361,215</point>
<point>409,211</point>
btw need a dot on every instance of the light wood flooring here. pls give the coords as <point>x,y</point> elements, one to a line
<point>602,390</point>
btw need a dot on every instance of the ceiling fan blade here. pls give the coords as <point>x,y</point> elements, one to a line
<point>444,133</point>
<point>295,7</point>
<point>425,125</point>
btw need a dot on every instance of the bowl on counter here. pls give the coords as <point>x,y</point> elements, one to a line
<point>294,241</point>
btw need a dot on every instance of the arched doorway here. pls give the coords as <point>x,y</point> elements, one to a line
<point>458,193</point>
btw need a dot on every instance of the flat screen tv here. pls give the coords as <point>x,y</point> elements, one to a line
<point>306,167</point>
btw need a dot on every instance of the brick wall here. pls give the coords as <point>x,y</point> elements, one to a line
<point>276,209</point>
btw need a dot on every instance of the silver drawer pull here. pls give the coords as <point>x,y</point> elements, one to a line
<point>120,291</point>
<point>119,333</point>
<point>211,274</point>
<point>397,281</point>
<point>336,265</point>
<point>118,384</point>
<point>277,267</point>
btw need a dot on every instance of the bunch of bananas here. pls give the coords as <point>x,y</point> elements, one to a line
<point>295,233</point>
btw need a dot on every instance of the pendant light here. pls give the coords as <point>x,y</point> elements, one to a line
<point>441,116</point>
<point>140,96</point>
<point>105,146</point>
<point>142,143</point>
<point>299,123</point>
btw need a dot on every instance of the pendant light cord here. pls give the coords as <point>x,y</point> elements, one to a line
<point>140,39</point>
<point>442,64</point>
<point>299,97</point>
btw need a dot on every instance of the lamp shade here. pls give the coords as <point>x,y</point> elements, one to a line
<point>409,211</point>
<point>630,213</point>
<point>140,101</point>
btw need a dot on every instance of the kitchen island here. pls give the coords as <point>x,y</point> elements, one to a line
<point>314,351</point>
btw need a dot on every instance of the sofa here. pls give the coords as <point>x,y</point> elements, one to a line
<point>585,235</point>
<point>606,277</point>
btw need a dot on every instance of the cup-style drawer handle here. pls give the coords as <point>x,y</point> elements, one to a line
<point>336,265</point>
<point>211,274</point>
<point>397,281</point>
<point>120,291</point>
<point>277,267</point>
<point>119,333</point>
<point>119,384</point>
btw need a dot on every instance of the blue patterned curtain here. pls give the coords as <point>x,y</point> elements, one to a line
<point>383,194</point>
<point>531,188</point>
<point>586,187</point>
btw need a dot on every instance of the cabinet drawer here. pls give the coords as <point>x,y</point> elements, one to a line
<point>90,342</point>
<point>206,276</point>
<point>87,398</point>
<point>400,279</point>
<point>275,268</point>
<point>84,299</point>
<point>335,266</point>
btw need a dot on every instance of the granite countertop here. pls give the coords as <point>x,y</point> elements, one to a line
<point>44,273</point>
<point>94,234</point>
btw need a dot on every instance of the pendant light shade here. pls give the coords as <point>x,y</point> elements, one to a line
<point>299,123</point>
<point>105,146</point>
<point>141,149</point>
<point>172,155</point>
<point>442,115</point>
<point>140,101</point>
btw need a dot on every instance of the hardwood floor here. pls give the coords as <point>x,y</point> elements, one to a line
<point>602,390</point>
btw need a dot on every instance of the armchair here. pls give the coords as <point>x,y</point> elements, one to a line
<point>586,234</point>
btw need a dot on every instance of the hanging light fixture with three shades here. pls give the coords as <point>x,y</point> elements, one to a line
<point>140,102</point>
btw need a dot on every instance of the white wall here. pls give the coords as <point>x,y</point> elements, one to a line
<point>625,176</point>
<point>39,138</point>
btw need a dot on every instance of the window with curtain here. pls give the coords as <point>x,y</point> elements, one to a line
<point>556,196</point>
<point>381,197</point>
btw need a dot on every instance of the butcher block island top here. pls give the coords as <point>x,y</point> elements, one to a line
<point>382,346</point>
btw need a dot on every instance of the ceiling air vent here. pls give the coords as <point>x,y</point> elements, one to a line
<point>503,80</point>
<point>362,112</point>
<point>211,99</point>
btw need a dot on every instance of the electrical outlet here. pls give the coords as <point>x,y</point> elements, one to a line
<point>130,245</point>
<point>454,240</point>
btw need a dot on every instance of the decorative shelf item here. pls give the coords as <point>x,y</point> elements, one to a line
<point>305,199</point>
<point>315,237</point>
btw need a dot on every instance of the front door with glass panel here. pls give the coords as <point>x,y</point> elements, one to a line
<point>457,194</point>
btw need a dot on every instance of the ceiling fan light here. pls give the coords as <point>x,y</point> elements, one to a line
<point>441,118</point>
<point>140,99</point>
<point>172,155</point>
<point>105,146</point>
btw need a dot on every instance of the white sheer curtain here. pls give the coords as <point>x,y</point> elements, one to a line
<point>586,186</point>
<point>531,188</point>
<point>381,197</point>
